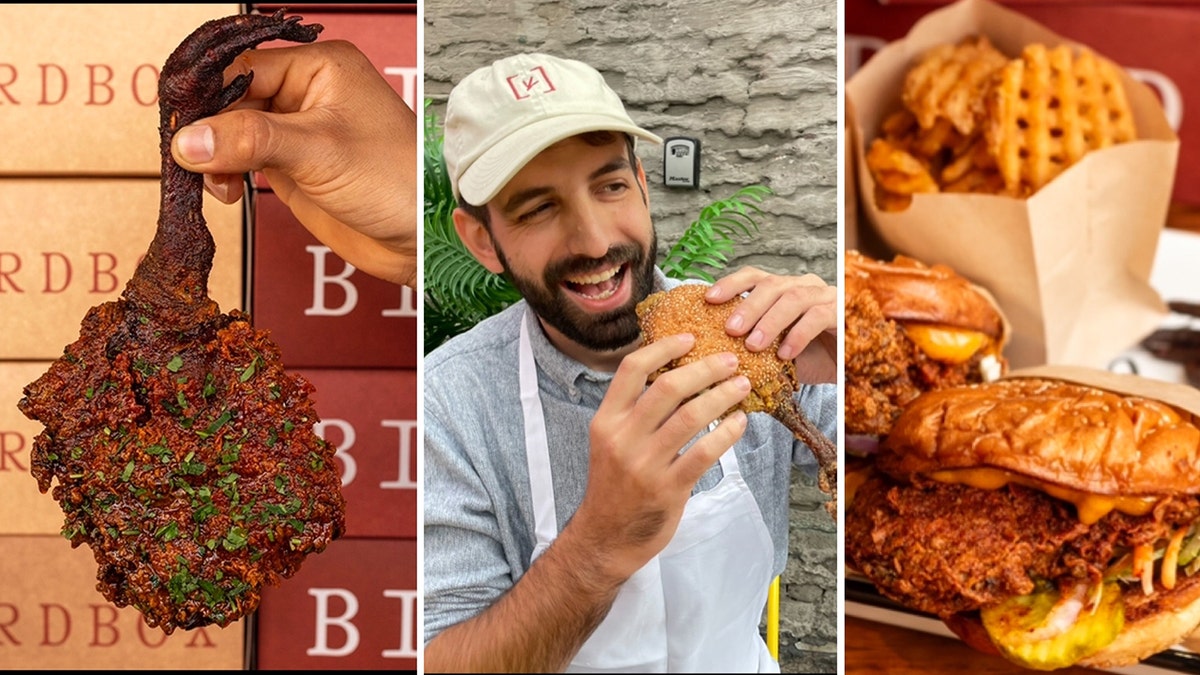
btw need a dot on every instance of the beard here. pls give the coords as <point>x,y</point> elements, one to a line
<point>607,331</point>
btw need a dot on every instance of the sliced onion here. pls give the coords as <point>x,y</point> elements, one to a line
<point>1062,616</point>
<point>862,445</point>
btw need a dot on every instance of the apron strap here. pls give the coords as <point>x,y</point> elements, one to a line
<point>537,449</point>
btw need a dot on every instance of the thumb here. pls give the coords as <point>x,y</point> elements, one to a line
<point>234,142</point>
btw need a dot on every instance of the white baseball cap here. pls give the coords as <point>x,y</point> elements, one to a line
<point>501,116</point>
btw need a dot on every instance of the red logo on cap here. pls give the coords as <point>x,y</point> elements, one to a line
<point>529,83</point>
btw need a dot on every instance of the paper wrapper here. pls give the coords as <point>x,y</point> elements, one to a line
<point>1070,265</point>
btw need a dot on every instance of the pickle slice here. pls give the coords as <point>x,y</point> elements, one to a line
<point>1047,630</point>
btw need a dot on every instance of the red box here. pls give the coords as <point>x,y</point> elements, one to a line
<point>321,311</point>
<point>370,416</point>
<point>387,38</point>
<point>351,607</point>
<point>1153,40</point>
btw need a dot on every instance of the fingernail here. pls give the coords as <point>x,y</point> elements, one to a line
<point>686,338</point>
<point>755,340</point>
<point>785,353</point>
<point>734,323</point>
<point>742,383</point>
<point>729,360</point>
<point>217,189</point>
<point>713,293</point>
<point>195,143</point>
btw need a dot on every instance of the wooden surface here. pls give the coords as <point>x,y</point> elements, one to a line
<point>873,647</point>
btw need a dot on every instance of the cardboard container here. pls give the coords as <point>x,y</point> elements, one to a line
<point>386,34</point>
<point>67,245</point>
<point>370,416</point>
<point>353,607</point>
<point>79,84</point>
<point>1070,265</point>
<point>52,617</point>
<point>23,509</point>
<point>322,312</point>
<point>1152,39</point>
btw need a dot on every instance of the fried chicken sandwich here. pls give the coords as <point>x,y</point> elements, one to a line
<point>1051,521</point>
<point>911,328</point>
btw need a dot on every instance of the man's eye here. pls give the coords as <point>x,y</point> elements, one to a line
<point>534,212</point>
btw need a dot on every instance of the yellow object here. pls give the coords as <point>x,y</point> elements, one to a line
<point>952,345</point>
<point>773,619</point>
<point>1088,507</point>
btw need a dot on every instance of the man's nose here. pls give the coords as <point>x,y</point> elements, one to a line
<point>590,233</point>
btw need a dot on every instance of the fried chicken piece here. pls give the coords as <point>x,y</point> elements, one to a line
<point>773,384</point>
<point>945,548</point>
<point>183,453</point>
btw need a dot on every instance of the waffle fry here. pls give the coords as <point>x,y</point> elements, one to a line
<point>974,120</point>
<point>899,173</point>
<point>949,83</point>
<point>1049,108</point>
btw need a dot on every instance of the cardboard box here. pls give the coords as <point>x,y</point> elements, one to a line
<point>1153,40</point>
<point>68,244</point>
<point>79,84</point>
<point>52,617</point>
<point>322,312</point>
<point>388,37</point>
<point>23,509</point>
<point>370,416</point>
<point>353,606</point>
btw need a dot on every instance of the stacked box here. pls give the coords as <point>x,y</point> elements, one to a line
<point>79,199</point>
<point>1147,37</point>
<point>354,337</point>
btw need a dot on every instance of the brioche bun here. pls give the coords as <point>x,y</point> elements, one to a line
<point>1080,437</point>
<point>908,290</point>
<point>1175,613</point>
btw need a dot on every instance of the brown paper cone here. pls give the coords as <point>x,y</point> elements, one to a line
<point>1070,266</point>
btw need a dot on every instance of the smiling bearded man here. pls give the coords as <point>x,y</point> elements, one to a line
<point>577,515</point>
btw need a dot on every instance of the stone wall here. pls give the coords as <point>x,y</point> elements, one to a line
<point>756,83</point>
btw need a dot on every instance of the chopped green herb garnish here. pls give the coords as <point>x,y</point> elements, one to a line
<point>216,424</point>
<point>235,539</point>
<point>168,531</point>
<point>248,372</point>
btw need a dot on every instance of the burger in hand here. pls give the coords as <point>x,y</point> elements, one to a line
<point>911,328</point>
<point>1049,521</point>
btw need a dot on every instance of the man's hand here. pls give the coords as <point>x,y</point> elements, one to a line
<point>638,482</point>
<point>803,309</point>
<point>638,485</point>
<point>336,142</point>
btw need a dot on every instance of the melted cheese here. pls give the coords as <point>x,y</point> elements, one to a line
<point>951,345</point>
<point>1088,507</point>
<point>853,480</point>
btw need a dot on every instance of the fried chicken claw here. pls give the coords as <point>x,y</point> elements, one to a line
<point>179,449</point>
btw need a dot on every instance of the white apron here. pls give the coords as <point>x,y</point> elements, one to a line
<point>696,606</point>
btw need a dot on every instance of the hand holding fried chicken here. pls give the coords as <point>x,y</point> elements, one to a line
<point>768,314</point>
<point>336,142</point>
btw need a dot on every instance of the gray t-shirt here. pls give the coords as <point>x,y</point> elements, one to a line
<point>478,509</point>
